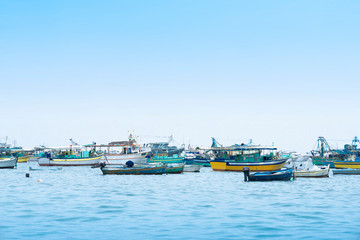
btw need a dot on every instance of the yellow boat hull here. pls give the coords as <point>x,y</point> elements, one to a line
<point>23,159</point>
<point>253,166</point>
<point>353,165</point>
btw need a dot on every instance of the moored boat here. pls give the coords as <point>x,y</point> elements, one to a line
<point>237,157</point>
<point>174,168</point>
<point>71,156</point>
<point>164,148</point>
<point>270,165</point>
<point>324,154</point>
<point>311,170</point>
<point>118,153</point>
<point>192,168</point>
<point>279,175</point>
<point>166,159</point>
<point>8,162</point>
<point>23,159</point>
<point>135,170</point>
<point>347,164</point>
<point>66,162</point>
<point>321,172</point>
<point>346,171</point>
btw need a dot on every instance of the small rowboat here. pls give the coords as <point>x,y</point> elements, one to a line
<point>280,175</point>
<point>315,172</point>
<point>42,169</point>
<point>136,170</point>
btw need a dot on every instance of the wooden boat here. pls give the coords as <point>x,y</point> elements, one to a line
<point>271,165</point>
<point>8,162</point>
<point>118,153</point>
<point>192,168</point>
<point>280,175</point>
<point>19,153</point>
<point>136,170</point>
<point>164,148</point>
<point>170,168</point>
<point>324,154</point>
<point>322,172</point>
<point>23,159</point>
<point>42,169</point>
<point>236,157</point>
<point>166,159</point>
<point>197,157</point>
<point>347,164</point>
<point>346,171</point>
<point>79,161</point>
<point>311,170</point>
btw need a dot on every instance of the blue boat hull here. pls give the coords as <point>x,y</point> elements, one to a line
<point>281,175</point>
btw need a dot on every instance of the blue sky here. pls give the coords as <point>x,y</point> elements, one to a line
<point>274,71</point>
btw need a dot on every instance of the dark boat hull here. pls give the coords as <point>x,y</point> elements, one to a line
<point>281,175</point>
<point>134,171</point>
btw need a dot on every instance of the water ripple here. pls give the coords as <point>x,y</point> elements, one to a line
<point>81,203</point>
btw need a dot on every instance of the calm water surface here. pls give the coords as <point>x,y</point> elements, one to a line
<point>81,203</point>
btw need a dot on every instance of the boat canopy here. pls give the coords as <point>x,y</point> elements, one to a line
<point>242,148</point>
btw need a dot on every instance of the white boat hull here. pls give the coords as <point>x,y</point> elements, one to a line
<point>69,162</point>
<point>7,162</point>
<point>33,159</point>
<point>121,159</point>
<point>192,168</point>
<point>318,173</point>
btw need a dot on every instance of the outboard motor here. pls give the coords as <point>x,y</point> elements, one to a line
<point>246,171</point>
<point>129,164</point>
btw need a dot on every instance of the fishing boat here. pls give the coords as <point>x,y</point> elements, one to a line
<point>118,153</point>
<point>174,168</point>
<point>273,165</point>
<point>8,162</point>
<point>279,175</point>
<point>71,156</point>
<point>17,152</point>
<point>314,172</point>
<point>347,164</point>
<point>255,157</point>
<point>134,170</point>
<point>38,152</point>
<point>308,169</point>
<point>346,171</point>
<point>192,168</point>
<point>198,157</point>
<point>324,154</point>
<point>166,159</point>
<point>165,149</point>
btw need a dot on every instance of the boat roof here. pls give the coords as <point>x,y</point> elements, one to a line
<point>114,144</point>
<point>242,148</point>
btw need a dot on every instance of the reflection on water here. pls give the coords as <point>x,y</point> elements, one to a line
<point>81,203</point>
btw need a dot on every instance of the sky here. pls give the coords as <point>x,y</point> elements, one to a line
<point>276,72</point>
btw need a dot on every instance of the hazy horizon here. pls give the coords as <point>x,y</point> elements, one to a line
<point>282,72</point>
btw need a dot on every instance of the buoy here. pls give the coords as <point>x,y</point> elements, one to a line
<point>27,175</point>
<point>39,180</point>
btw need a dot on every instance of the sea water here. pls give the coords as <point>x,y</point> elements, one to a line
<point>82,203</point>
